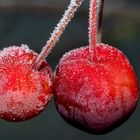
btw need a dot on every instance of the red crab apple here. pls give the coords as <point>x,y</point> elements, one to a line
<point>25,76</point>
<point>95,96</point>
<point>95,86</point>
<point>24,91</point>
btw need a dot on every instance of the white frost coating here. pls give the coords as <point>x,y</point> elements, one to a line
<point>59,29</point>
<point>12,50</point>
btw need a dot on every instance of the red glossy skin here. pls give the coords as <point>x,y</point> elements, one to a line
<point>24,92</point>
<point>95,96</point>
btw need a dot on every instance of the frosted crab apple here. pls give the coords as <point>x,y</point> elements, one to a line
<point>24,91</point>
<point>26,78</point>
<point>97,96</point>
<point>96,88</point>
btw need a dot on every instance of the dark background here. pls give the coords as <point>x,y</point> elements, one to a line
<point>31,22</point>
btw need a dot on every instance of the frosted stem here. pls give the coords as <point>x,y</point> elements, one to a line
<point>59,29</point>
<point>92,30</point>
<point>95,26</point>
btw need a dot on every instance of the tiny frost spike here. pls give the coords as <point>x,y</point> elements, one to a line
<point>96,88</point>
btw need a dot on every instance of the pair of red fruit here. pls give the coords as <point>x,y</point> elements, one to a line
<point>95,87</point>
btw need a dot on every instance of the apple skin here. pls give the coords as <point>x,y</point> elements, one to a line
<point>95,96</point>
<point>24,91</point>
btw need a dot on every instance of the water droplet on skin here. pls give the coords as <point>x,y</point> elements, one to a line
<point>14,119</point>
<point>70,107</point>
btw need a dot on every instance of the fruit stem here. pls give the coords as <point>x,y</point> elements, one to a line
<point>95,18</point>
<point>58,30</point>
<point>100,20</point>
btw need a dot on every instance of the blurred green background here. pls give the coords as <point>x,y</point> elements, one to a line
<point>31,22</point>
